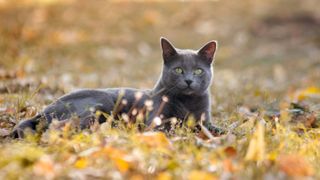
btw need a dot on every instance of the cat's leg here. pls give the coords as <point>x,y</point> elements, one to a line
<point>77,104</point>
<point>85,116</point>
<point>207,123</point>
<point>96,113</point>
<point>29,124</point>
<point>159,119</point>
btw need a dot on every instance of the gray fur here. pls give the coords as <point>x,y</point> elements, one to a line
<point>183,99</point>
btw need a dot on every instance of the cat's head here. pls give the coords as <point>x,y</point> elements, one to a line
<point>187,72</point>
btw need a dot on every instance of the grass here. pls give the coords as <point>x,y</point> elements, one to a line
<point>265,91</point>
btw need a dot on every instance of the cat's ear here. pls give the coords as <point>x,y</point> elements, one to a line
<point>208,51</point>
<point>168,49</point>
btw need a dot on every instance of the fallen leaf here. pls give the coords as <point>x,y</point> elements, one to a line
<point>119,158</point>
<point>136,177</point>
<point>230,151</point>
<point>46,167</point>
<point>122,164</point>
<point>154,139</point>
<point>4,132</point>
<point>228,165</point>
<point>164,176</point>
<point>81,163</point>
<point>307,92</point>
<point>294,165</point>
<point>256,149</point>
<point>201,175</point>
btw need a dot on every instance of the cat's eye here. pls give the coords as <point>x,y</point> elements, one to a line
<point>178,70</point>
<point>198,71</point>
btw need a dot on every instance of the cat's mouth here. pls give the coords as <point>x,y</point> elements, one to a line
<point>188,90</point>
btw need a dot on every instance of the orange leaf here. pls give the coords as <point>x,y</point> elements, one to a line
<point>230,151</point>
<point>154,139</point>
<point>118,157</point>
<point>136,177</point>
<point>295,165</point>
<point>228,165</point>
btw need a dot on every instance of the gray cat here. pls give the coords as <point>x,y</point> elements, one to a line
<point>181,91</point>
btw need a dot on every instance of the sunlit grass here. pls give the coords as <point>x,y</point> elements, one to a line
<point>261,68</point>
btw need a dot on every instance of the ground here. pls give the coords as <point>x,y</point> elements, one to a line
<point>265,91</point>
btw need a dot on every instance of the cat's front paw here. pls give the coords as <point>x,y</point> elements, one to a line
<point>209,131</point>
<point>216,131</point>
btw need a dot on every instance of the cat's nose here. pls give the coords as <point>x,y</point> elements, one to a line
<point>188,81</point>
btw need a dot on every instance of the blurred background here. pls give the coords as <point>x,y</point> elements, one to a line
<point>267,65</point>
<point>267,49</point>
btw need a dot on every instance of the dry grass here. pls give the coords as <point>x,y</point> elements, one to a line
<point>265,91</point>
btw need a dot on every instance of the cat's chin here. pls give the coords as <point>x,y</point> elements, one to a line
<point>188,91</point>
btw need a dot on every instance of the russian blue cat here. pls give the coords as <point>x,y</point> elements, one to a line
<point>181,91</point>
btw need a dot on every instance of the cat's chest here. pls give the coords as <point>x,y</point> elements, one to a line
<point>184,106</point>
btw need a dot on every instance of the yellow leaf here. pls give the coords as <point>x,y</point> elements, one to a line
<point>248,124</point>
<point>81,163</point>
<point>164,176</point>
<point>122,164</point>
<point>200,175</point>
<point>308,92</point>
<point>272,156</point>
<point>118,157</point>
<point>256,149</point>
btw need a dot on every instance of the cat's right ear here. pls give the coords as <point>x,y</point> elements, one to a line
<point>168,50</point>
<point>208,51</point>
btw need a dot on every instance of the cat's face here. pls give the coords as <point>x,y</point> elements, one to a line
<point>187,72</point>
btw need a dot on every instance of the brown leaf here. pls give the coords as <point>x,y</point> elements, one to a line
<point>4,132</point>
<point>7,74</point>
<point>230,151</point>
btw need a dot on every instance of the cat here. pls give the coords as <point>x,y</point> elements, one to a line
<point>181,91</point>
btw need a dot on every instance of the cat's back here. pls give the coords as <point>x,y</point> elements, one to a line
<point>110,93</point>
<point>129,94</point>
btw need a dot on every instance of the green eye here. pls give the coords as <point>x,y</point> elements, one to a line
<point>198,71</point>
<point>178,70</point>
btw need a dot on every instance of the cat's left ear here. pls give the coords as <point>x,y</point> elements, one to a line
<point>168,50</point>
<point>208,51</point>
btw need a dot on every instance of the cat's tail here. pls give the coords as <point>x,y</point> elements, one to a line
<point>29,124</point>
